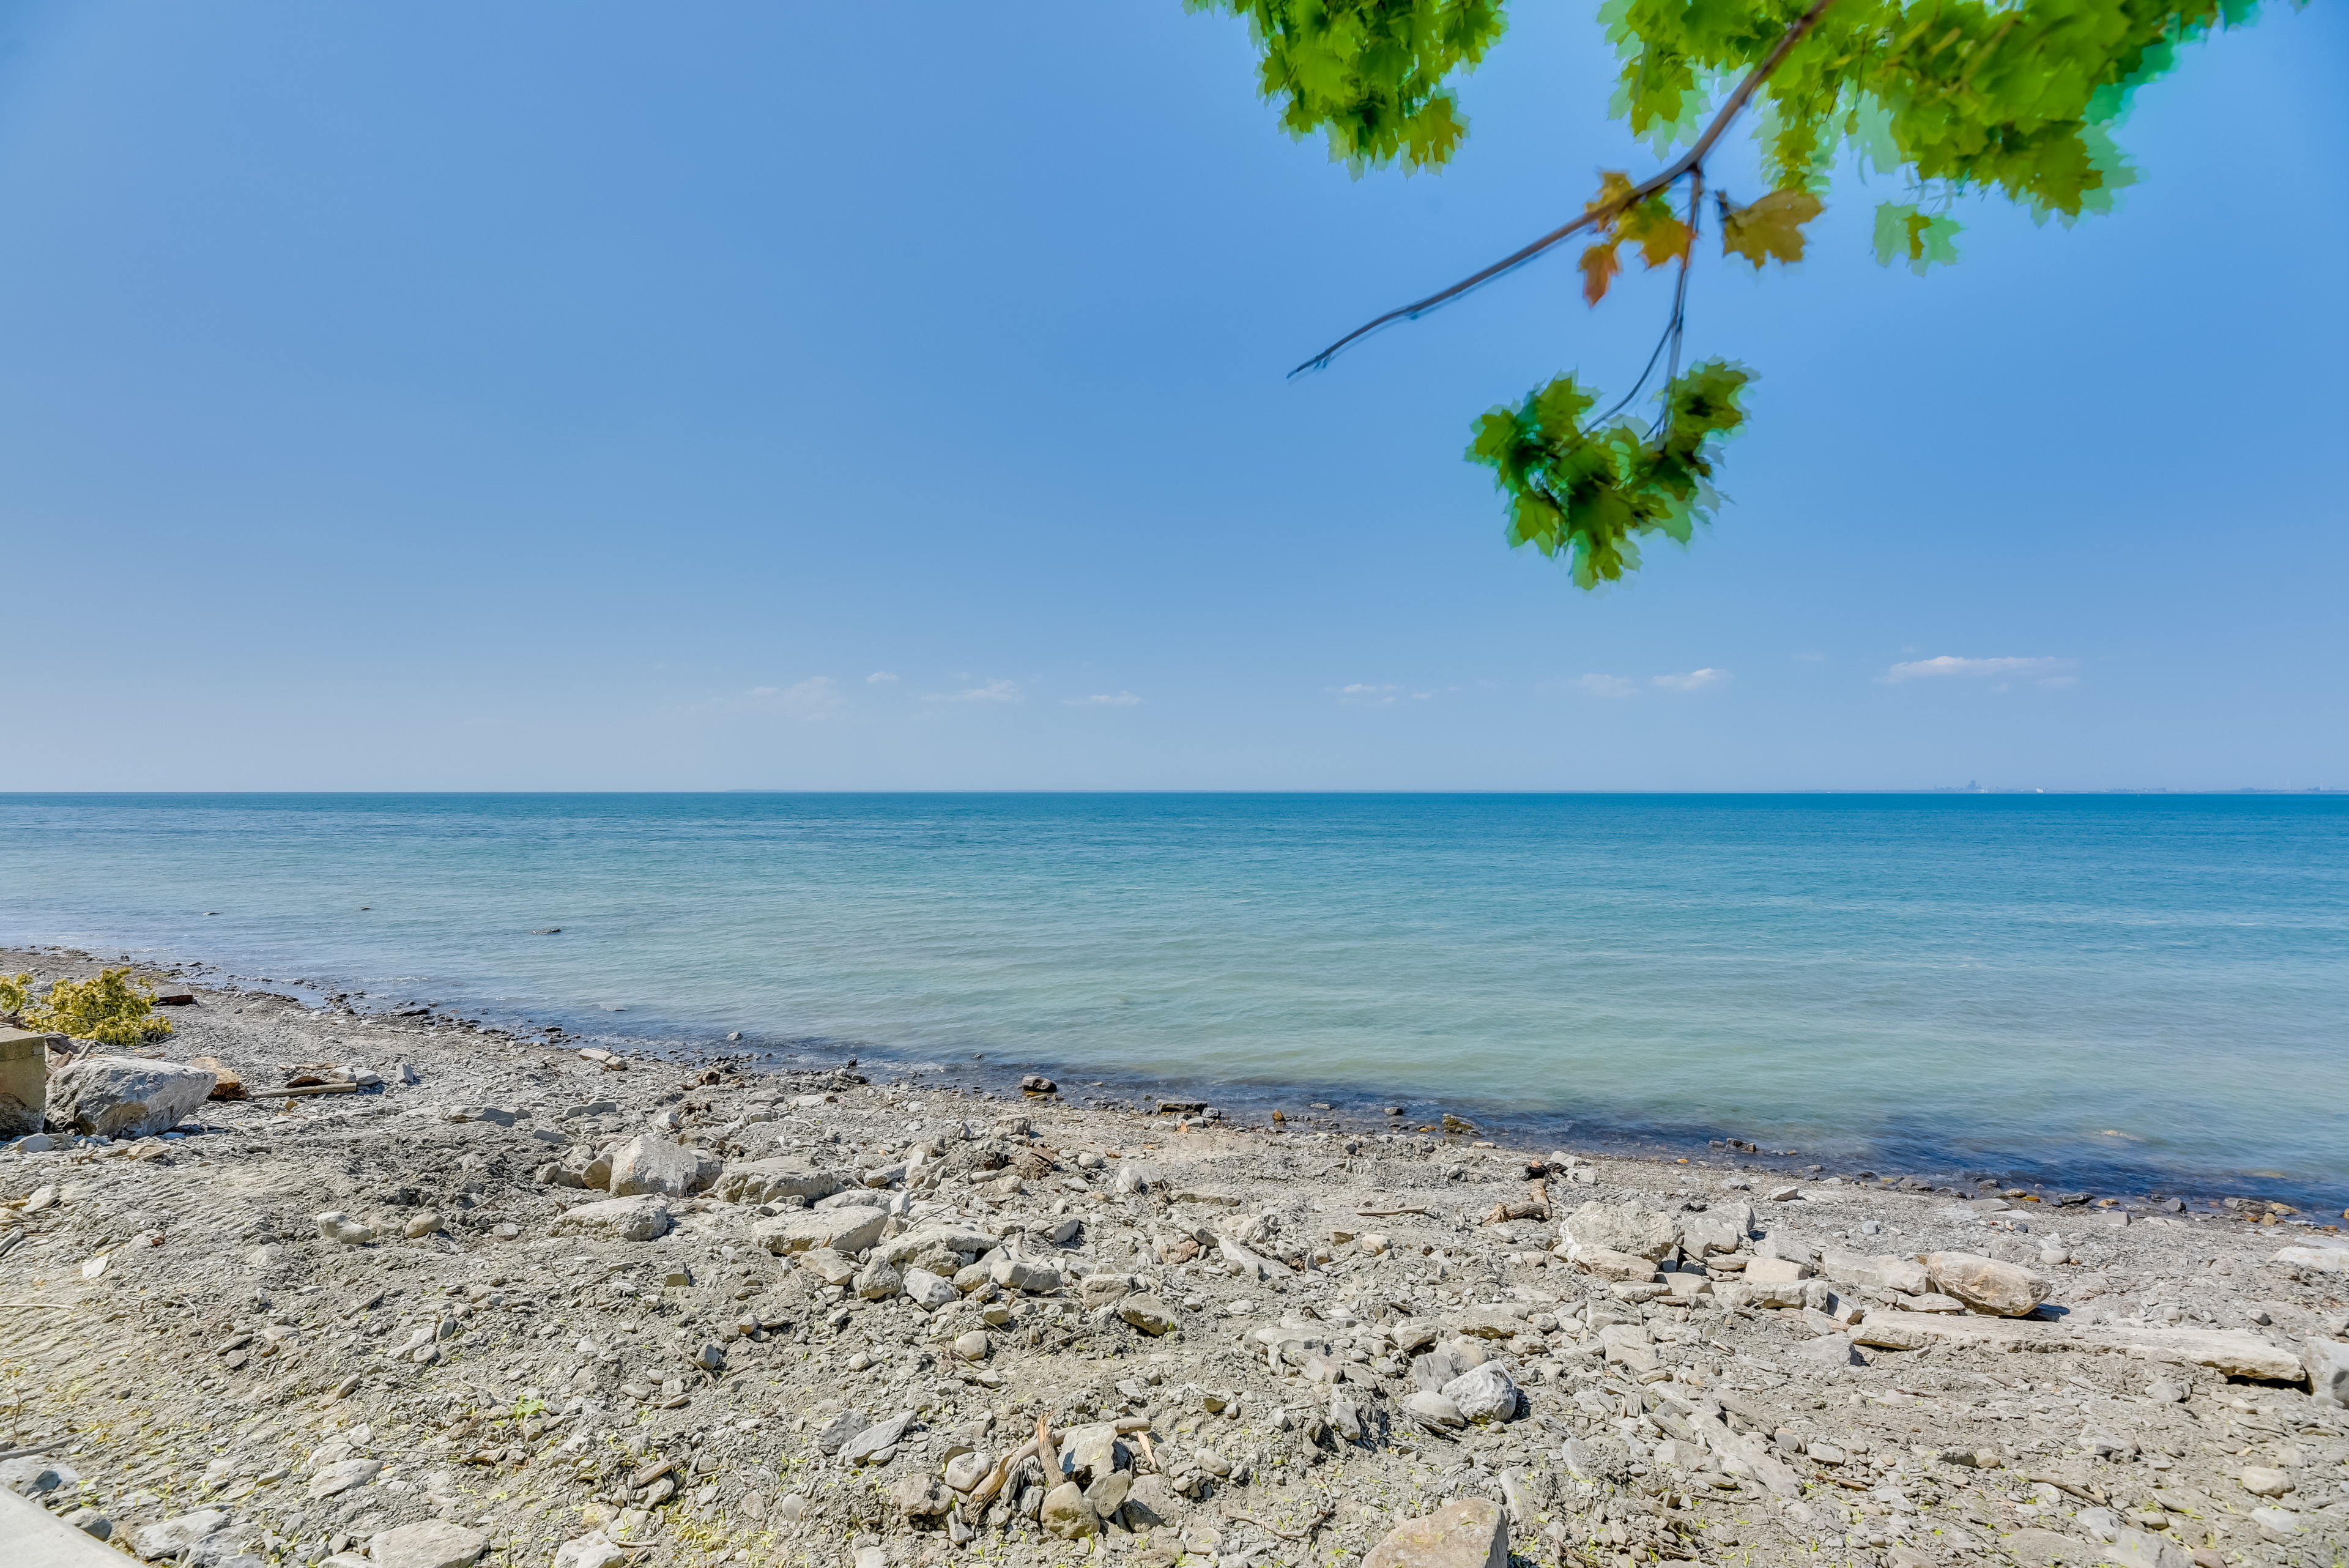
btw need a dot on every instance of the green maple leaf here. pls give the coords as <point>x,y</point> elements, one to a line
<point>1904,232</point>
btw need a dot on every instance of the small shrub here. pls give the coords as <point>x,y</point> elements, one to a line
<point>108,1008</point>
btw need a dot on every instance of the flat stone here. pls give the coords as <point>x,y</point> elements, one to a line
<point>1987,1285</point>
<point>1019,1274</point>
<point>639,1219</point>
<point>932,1240</point>
<point>343,1476</point>
<point>840,1230</point>
<point>1469,1532</point>
<point>651,1164</point>
<point>170,1537</point>
<point>434,1543</point>
<point>1776,1270</point>
<point>868,1443</point>
<point>2332,1260</point>
<point>1886,1271</point>
<point>1151,1315</point>
<point>2262,1481</point>
<point>1432,1407</point>
<point>336,1226</point>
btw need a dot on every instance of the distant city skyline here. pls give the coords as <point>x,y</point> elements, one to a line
<point>543,397</point>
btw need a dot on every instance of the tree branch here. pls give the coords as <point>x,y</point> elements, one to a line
<point>1604,212</point>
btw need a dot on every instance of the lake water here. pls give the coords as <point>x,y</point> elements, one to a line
<point>2127,990</point>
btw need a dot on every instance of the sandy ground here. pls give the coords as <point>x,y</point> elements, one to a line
<point>1244,1346</point>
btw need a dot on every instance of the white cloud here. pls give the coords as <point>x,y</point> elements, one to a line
<point>881,678</point>
<point>1607,686</point>
<point>1694,681</point>
<point>2047,671</point>
<point>816,698</point>
<point>996,691</point>
<point>1362,694</point>
<point>1121,699</point>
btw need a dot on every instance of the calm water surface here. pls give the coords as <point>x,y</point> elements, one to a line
<point>2136,988</point>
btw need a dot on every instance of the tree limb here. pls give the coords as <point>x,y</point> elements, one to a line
<point>1602,212</point>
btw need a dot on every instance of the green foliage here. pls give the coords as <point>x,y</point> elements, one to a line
<point>1945,96</point>
<point>15,994</point>
<point>1902,232</point>
<point>1586,492</point>
<point>1368,74</point>
<point>107,1007</point>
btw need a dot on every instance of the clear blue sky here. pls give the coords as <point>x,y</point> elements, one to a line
<point>530,395</point>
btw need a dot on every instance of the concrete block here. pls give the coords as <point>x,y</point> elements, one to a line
<point>23,1082</point>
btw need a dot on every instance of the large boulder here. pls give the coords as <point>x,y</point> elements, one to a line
<point>125,1096</point>
<point>1471,1532</point>
<point>1721,1228</point>
<point>639,1219</point>
<point>1618,1227</point>
<point>772,1180</point>
<point>434,1543</point>
<point>1986,1285</point>
<point>840,1230</point>
<point>648,1163</point>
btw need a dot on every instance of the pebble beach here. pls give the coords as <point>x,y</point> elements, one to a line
<point>429,1294</point>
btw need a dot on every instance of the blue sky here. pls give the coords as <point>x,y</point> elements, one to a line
<point>533,395</point>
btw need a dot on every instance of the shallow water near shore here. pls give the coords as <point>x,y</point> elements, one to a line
<point>2126,989</point>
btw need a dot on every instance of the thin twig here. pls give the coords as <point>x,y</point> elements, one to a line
<point>1310,1525</point>
<point>1385,1213</point>
<point>1600,213</point>
<point>39,1306</point>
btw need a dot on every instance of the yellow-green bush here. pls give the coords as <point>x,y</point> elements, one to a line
<point>108,1008</point>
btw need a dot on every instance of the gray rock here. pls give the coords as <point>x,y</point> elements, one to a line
<point>651,1164</point>
<point>878,1282</point>
<point>1486,1393</point>
<point>1150,1503</point>
<point>170,1537</point>
<point>1067,1514</point>
<point>1151,1315</point>
<point>434,1543</point>
<point>91,1522</point>
<point>640,1219</point>
<point>35,1476</point>
<point>124,1096</point>
<point>1433,1409</point>
<point>839,1230</point>
<point>837,1432</point>
<point>1019,1274</point>
<point>869,1443</point>
<point>772,1180</point>
<point>1986,1285</point>
<point>1887,1271</point>
<point>1469,1533</point>
<point>1620,1228</point>
<point>928,1291</point>
<point>343,1476</point>
<point>2327,1363</point>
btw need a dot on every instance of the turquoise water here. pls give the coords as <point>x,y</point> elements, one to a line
<point>2124,988</point>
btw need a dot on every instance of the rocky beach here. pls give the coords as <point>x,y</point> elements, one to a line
<point>306,1285</point>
